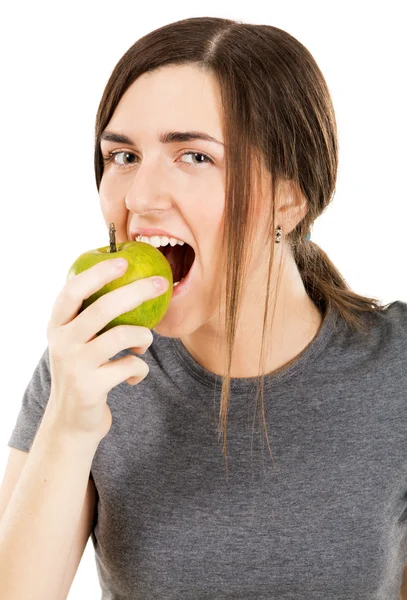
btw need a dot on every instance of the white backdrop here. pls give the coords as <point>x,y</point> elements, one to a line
<point>55,62</point>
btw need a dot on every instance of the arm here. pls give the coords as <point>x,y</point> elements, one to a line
<point>38,528</point>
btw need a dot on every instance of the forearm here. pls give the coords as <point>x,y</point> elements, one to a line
<point>38,527</point>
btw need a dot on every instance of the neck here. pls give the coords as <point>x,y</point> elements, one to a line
<point>295,323</point>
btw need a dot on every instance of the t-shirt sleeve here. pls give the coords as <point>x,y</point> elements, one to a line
<point>33,406</point>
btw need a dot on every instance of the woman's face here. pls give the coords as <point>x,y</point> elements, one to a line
<point>150,184</point>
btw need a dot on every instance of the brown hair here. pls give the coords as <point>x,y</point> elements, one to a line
<point>277,113</point>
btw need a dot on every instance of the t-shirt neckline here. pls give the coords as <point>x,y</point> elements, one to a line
<point>245,384</point>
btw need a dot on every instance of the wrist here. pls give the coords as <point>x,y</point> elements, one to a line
<point>56,432</point>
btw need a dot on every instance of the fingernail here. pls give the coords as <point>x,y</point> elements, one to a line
<point>160,283</point>
<point>119,263</point>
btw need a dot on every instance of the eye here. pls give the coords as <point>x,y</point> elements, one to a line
<point>111,157</point>
<point>191,153</point>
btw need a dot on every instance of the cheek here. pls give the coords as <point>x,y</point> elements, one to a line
<point>113,209</point>
<point>206,224</point>
<point>208,219</point>
<point>205,202</point>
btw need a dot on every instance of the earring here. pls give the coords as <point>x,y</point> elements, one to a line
<point>279,233</point>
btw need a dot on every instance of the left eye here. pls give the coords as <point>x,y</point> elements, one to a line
<point>205,158</point>
<point>111,157</point>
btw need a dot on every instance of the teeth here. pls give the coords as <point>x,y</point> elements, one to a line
<point>175,284</point>
<point>157,240</point>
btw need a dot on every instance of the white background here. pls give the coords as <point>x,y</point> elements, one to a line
<point>56,60</point>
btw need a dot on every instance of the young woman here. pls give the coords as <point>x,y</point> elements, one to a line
<point>216,141</point>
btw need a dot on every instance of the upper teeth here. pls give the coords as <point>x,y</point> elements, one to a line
<point>159,240</point>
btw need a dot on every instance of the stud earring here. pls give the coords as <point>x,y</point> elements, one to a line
<point>279,233</point>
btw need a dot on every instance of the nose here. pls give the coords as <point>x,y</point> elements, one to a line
<point>147,193</point>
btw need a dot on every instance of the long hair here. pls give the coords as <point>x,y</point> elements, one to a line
<point>278,115</point>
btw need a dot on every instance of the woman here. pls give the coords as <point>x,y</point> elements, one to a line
<point>216,141</point>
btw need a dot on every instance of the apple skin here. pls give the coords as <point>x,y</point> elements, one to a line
<point>144,260</point>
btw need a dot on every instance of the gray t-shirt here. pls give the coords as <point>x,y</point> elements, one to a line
<point>327,522</point>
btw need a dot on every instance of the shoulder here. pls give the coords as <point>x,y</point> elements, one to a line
<point>384,333</point>
<point>390,328</point>
<point>397,309</point>
<point>393,317</point>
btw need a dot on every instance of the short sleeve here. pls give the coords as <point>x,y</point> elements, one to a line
<point>33,406</point>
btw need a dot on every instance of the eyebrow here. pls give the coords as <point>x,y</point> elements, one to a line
<point>170,137</point>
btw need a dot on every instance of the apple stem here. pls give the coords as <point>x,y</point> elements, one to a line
<point>112,238</point>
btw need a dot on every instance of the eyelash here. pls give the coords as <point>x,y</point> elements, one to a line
<point>110,157</point>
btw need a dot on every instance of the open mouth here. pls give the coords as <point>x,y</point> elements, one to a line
<point>181,259</point>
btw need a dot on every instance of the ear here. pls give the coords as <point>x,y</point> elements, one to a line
<point>291,205</point>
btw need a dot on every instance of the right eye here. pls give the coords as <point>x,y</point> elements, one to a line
<point>111,157</point>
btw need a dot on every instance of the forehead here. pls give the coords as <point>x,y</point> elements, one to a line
<point>171,97</point>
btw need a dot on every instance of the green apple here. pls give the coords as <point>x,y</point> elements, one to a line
<point>143,261</point>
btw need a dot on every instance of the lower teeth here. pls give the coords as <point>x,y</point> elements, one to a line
<point>175,284</point>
